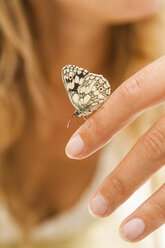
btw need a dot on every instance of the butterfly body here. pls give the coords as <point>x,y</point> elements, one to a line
<point>87,91</point>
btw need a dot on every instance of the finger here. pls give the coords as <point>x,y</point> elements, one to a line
<point>141,91</point>
<point>147,218</point>
<point>144,159</point>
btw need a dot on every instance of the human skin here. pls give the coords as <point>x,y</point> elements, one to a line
<point>111,11</point>
<point>147,89</point>
<point>69,36</point>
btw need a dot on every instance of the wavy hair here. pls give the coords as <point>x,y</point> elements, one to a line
<point>23,91</point>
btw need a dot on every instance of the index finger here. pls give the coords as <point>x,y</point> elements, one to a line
<point>143,90</point>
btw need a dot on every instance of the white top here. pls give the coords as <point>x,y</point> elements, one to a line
<point>96,231</point>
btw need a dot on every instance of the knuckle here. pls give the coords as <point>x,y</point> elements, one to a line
<point>158,209</point>
<point>132,89</point>
<point>117,186</point>
<point>154,143</point>
<point>96,126</point>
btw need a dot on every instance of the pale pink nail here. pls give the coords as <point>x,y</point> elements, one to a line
<point>74,147</point>
<point>98,205</point>
<point>132,229</point>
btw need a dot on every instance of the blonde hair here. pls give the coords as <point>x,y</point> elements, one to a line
<point>22,83</point>
<point>21,79</point>
<point>23,93</point>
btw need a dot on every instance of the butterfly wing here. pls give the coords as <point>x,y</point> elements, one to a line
<point>93,92</point>
<point>73,77</point>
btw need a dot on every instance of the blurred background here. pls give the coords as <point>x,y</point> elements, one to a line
<point>44,195</point>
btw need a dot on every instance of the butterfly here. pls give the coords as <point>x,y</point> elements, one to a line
<point>87,91</point>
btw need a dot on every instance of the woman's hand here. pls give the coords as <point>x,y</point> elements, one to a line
<point>144,90</point>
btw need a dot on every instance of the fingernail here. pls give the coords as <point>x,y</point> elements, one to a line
<point>132,229</point>
<point>74,147</point>
<point>98,205</point>
<point>91,213</point>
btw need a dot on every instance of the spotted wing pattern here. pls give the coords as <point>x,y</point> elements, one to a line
<point>87,91</point>
<point>93,92</point>
<point>73,77</point>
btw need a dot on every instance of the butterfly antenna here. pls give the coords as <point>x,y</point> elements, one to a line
<point>68,125</point>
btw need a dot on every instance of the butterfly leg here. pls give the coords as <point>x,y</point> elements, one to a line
<point>85,119</point>
<point>70,120</point>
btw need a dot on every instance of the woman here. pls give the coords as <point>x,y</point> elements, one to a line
<point>38,182</point>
